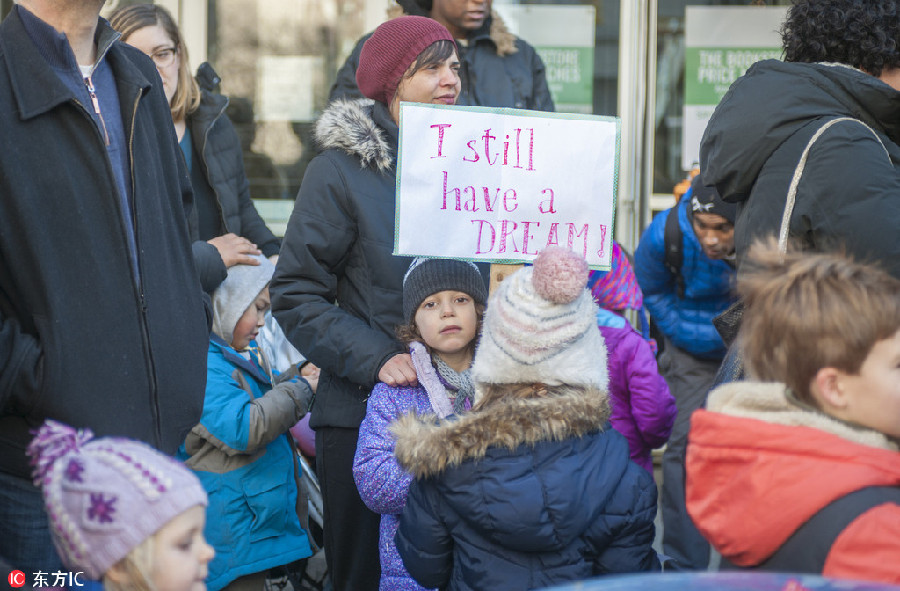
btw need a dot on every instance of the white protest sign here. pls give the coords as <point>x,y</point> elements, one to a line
<point>499,185</point>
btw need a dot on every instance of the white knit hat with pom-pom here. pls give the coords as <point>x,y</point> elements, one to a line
<point>540,327</point>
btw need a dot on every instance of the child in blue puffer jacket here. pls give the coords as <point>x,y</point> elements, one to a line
<point>443,303</point>
<point>241,450</point>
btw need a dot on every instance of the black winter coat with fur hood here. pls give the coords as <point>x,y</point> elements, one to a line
<point>523,493</point>
<point>338,250</point>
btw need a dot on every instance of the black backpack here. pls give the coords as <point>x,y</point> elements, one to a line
<point>672,241</point>
<point>807,549</point>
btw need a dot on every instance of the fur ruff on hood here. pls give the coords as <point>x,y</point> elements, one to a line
<point>426,447</point>
<point>347,125</point>
<point>772,403</point>
<point>499,34</point>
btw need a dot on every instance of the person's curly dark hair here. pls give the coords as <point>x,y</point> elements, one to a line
<point>858,33</point>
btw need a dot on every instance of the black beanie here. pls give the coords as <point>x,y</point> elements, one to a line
<point>706,199</point>
<point>429,276</point>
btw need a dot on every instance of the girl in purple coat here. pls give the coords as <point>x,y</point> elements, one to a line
<point>643,410</point>
<point>443,304</point>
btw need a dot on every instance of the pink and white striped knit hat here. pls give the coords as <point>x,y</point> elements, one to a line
<point>540,327</point>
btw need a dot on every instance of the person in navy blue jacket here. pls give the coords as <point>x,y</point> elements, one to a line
<point>683,301</point>
<point>532,487</point>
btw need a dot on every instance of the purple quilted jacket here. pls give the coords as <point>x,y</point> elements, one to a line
<point>643,410</point>
<point>382,483</point>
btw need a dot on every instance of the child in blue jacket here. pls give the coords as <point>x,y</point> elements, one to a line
<point>241,450</point>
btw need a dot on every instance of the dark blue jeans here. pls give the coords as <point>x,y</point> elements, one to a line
<point>25,542</point>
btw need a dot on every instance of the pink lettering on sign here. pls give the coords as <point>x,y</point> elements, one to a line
<point>527,237</point>
<point>548,203</point>
<point>480,243</point>
<point>440,145</point>
<point>523,148</point>
<point>602,252</point>
<point>503,236</point>
<point>573,234</point>
<point>456,194</point>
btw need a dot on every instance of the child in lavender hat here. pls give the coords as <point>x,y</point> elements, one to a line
<point>121,511</point>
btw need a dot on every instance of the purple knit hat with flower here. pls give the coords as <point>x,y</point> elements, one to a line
<point>616,289</point>
<point>106,496</point>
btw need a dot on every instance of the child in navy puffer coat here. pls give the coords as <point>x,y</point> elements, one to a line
<point>443,302</point>
<point>643,409</point>
<point>530,488</point>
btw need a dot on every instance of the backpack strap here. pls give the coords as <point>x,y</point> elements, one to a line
<point>672,239</point>
<point>807,549</point>
<point>798,174</point>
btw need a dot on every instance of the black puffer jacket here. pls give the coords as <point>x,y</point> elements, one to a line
<point>222,161</point>
<point>80,342</point>
<point>497,70</point>
<point>849,193</point>
<point>337,250</point>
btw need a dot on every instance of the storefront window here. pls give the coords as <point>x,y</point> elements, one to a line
<point>669,166</point>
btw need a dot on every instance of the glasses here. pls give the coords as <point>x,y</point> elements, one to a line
<point>164,57</point>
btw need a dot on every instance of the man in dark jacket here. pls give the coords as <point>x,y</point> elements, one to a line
<point>102,322</point>
<point>683,301</point>
<point>497,69</point>
<point>841,60</point>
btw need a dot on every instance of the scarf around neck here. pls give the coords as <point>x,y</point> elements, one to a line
<point>461,382</point>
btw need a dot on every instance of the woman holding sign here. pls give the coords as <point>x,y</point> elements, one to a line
<point>338,250</point>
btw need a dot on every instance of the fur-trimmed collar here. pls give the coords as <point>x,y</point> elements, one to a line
<point>771,402</point>
<point>348,125</point>
<point>426,447</point>
<point>499,34</point>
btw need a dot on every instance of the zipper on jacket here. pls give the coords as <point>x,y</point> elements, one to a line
<point>88,83</point>
<point>145,331</point>
<point>138,289</point>
<point>202,153</point>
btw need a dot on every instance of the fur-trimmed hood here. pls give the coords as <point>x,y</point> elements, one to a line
<point>349,125</point>
<point>426,447</point>
<point>494,29</point>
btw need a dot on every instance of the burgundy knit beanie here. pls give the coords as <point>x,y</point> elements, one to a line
<point>391,50</point>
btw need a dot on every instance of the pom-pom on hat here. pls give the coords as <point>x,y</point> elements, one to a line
<point>391,50</point>
<point>540,327</point>
<point>106,496</point>
<point>232,298</point>
<point>429,276</point>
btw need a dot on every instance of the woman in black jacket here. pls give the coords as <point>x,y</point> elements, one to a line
<point>226,228</point>
<point>338,250</point>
